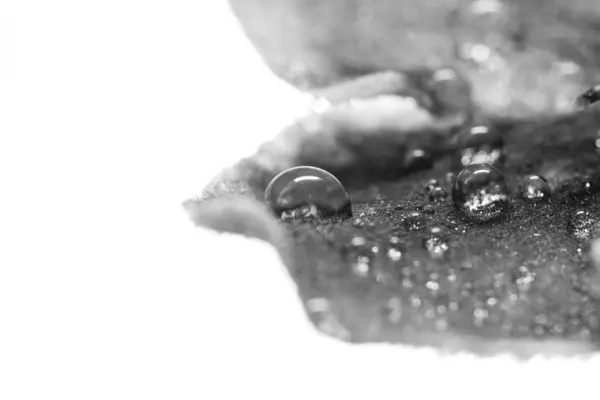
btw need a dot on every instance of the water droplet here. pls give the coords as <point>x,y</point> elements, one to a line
<point>480,192</point>
<point>432,285</point>
<point>479,144</point>
<point>415,221</point>
<point>536,189</point>
<point>438,194</point>
<point>308,193</point>
<point>583,225</point>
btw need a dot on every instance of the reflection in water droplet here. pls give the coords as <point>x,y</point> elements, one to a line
<point>308,193</point>
<point>536,189</point>
<point>583,225</point>
<point>480,192</point>
<point>480,144</point>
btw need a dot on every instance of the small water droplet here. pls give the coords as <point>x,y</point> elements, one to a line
<point>480,192</point>
<point>308,193</point>
<point>454,306</point>
<point>415,221</point>
<point>432,285</point>
<point>583,225</point>
<point>536,189</point>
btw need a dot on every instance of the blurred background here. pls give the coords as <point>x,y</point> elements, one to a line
<point>522,58</point>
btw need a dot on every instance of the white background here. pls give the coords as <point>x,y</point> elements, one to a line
<point>114,112</point>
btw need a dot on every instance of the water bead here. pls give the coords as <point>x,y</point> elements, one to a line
<point>536,189</point>
<point>480,143</point>
<point>480,192</point>
<point>308,193</point>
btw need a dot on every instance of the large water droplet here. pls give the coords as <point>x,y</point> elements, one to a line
<point>536,189</point>
<point>583,225</point>
<point>308,193</point>
<point>480,192</point>
<point>480,143</point>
